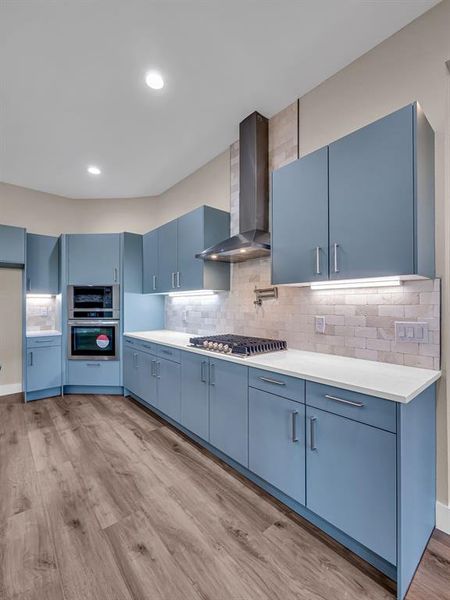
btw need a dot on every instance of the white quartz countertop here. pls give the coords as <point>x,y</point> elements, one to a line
<point>42,333</point>
<point>384,380</point>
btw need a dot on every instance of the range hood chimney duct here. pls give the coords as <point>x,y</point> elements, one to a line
<point>253,240</point>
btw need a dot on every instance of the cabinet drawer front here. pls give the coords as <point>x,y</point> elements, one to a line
<point>92,372</point>
<point>139,345</point>
<point>44,341</point>
<point>274,383</point>
<point>169,353</point>
<point>359,407</point>
<point>351,479</point>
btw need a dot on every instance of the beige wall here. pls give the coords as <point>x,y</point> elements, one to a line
<point>408,66</point>
<point>49,214</point>
<point>10,331</point>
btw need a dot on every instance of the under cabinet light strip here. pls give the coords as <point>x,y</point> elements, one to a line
<point>193,293</point>
<point>357,283</point>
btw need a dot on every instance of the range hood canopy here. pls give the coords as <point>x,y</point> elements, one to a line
<point>253,239</point>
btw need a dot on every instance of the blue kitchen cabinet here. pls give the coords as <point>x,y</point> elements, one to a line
<point>228,409</point>
<point>43,367</point>
<point>195,394</point>
<point>379,219</point>
<point>130,370</point>
<point>104,373</point>
<point>12,246</point>
<point>167,257</point>
<point>169,388</point>
<point>277,442</point>
<point>139,371</point>
<point>300,220</point>
<point>351,479</point>
<point>197,230</point>
<point>93,259</point>
<point>150,251</point>
<point>170,262</point>
<point>42,268</point>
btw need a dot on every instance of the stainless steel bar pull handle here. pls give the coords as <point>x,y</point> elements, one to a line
<point>92,364</point>
<point>212,374</point>
<point>274,381</point>
<point>336,399</point>
<point>312,433</point>
<point>173,280</point>
<point>336,268</point>
<point>178,279</point>
<point>203,371</point>
<point>30,362</point>
<point>317,260</point>
<point>154,282</point>
<point>115,274</point>
<point>153,370</point>
<point>294,425</point>
<point>158,369</point>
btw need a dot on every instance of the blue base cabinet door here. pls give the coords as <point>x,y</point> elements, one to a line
<point>147,378</point>
<point>277,442</point>
<point>43,368</point>
<point>228,409</point>
<point>93,259</point>
<point>195,394</point>
<point>130,371</point>
<point>351,479</point>
<point>169,391</point>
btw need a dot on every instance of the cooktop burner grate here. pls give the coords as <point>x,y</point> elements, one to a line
<point>237,344</point>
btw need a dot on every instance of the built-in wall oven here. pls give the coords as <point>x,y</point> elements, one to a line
<point>93,302</point>
<point>93,339</point>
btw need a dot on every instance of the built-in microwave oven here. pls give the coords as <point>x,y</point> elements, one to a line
<point>93,302</point>
<point>89,340</point>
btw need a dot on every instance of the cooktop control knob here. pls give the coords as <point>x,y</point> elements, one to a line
<point>226,348</point>
<point>210,345</point>
<point>215,346</point>
<point>205,344</point>
<point>220,347</point>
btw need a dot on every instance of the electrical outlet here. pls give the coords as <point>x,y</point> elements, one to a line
<point>411,331</point>
<point>319,324</point>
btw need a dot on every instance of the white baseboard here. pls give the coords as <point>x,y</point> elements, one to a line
<point>443,517</point>
<point>10,388</point>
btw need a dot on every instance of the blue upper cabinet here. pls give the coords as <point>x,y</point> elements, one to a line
<point>375,204</point>
<point>12,246</point>
<point>43,253</point>
<point>167,257</point>
<point>380,209</point>
<point>169,253</point>
<point>300,220</point>
<point>150,268</point>
<point>93,258</point>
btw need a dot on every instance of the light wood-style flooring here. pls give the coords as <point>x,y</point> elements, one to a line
<point>100,500</point>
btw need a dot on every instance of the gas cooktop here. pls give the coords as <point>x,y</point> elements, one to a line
<point>240,345</point>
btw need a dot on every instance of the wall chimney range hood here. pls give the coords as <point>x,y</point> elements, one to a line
<point>253,239</point>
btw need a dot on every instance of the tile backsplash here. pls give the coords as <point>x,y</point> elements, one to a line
<point>42,313</point>
<point>358,322</point>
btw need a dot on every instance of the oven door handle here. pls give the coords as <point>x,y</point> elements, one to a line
<point>92,322</point>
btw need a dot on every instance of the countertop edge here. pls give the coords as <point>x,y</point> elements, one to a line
<point>402,399</point>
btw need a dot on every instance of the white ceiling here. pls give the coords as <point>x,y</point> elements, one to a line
<point>73,92</point>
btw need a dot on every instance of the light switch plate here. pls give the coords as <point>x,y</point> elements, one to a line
<point>320,324</point>
<point>411,331</point>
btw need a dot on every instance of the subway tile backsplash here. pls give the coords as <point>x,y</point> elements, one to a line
<point>358,322</point>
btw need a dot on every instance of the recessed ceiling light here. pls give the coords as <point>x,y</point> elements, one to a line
<point>93,170</point>
<point>154,80</point>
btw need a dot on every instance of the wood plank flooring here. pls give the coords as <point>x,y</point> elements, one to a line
<point>100,500</point>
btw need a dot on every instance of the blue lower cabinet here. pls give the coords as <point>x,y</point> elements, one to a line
<point>93,372</point>
<point>195,394</point>
<point>130,373</point>
<point>351,479</point>
<point>43,368</point>
<point>228,409</point>
<point>169,388</point>
<point>139,374</point>
<point>277,442</point>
